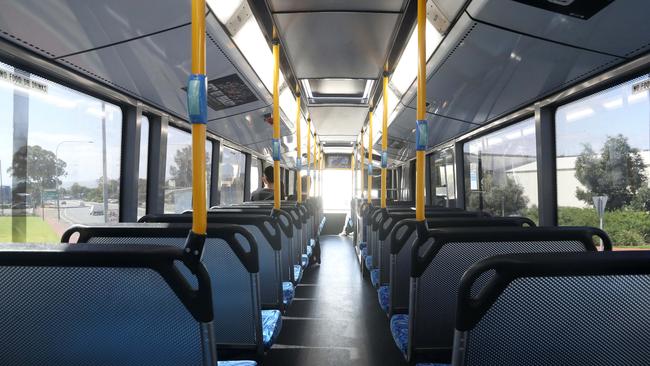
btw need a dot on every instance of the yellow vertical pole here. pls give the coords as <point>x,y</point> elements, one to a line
<point>315,184</point>
<point>299,160</point>
<point>276,121</point>
<point>384,142</point>
<point>421,124</point>
<point>197,108</point>
<point>308,188</point>
<point>370,157</point>
<point>363,164</point>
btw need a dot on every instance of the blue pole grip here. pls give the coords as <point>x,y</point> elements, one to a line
<point>197,102</point>
<point>421,135</point>
<point>275,153</point>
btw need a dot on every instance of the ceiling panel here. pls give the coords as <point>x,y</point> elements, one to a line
<point>450,8</point>
<point>156,68</point>
<point>621,28</point>
<point>336,44</point>
<point>60,27</point>
<point>484,72</point>
<point>338,120</point>
<point>336,5</point>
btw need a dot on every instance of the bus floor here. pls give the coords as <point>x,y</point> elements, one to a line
<point>335,318</point>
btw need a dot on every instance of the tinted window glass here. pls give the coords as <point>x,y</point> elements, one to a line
<point>144,163</point>
<point>231,176</point>
<point>501,171</point>
<point>60,152</point>
<point>178,171</point>
<point>443,178</point>
<point>603,149</point>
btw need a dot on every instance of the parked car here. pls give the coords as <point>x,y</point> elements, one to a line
<point>96,210</point>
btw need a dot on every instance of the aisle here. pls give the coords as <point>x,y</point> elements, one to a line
<point>335,318</point>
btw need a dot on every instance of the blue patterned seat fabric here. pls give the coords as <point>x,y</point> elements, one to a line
<point>364,253</point>
<point>374,277</point>
<point>363,245</point>
<point>304,260</point>
<point>384,297</point>
<point>309,251</point>
<point>271,326</point>
<point>369,262</point>
<point>288,293</point>
<point>297,272</point>
<point>237,363</point>
<point>399,327</point>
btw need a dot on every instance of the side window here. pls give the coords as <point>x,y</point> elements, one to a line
<point>231,176</point>
<point>501,171</point>
<point>256,182</point>
<point>178,171</point>
<point>603,151</point>
<point>443,178</point>
<point>60,154</point>
<point>144,163</point>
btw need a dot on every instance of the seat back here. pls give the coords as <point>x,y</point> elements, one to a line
<point>401,239</point>
<point>85,305</point>
<point>230,256</point>
<point>268,237</point>
<point>555,309</point>
<point>441,256</point>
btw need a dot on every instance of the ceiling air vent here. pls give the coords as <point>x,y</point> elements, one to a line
<point>337,91</point>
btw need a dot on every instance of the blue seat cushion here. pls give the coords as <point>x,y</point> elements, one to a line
<point>363,245</point>
<point>297,272</point>
<point>288,293</point>
<point>384,297</point>
<point>374,277</point>
<point>369,262</point>
<point>309,251</point>
<point>271,326</point>
<point>399,327</point>
<point>304,260</point>
<point>364,253</point>
<point>237,363</point>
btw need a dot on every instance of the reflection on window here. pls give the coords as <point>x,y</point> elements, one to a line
<point>255,174</point>
<point>65,168</point>
<point>178,171</point>
<point>291,187</point>
<point>501,171</point>
<point>603,150</point>
<point>231,176</point>
<point>144,159</point>
<point>443,178</point>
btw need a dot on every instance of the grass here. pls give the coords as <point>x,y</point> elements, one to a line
<point>38,231</point>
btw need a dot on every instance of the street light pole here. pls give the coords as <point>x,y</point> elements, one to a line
<point>56,181</point>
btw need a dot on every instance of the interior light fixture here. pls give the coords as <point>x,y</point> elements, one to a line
<point>224,9</point>
<point>406,69</point>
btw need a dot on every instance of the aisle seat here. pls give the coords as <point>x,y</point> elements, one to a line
<point>230,255</point>
<point>120,304</point>
<point>555,309</point>
<point>288,293</point>
<point>374,277</point>
<point>383,293</point>
<point>439,259</point>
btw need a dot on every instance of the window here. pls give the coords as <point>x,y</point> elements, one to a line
<point>255,182</point>
<point>62,167</point>
<point>501,171</point>
<point>337,190</point>
<point>231,176</point>
<point>443,178</point>
<point>603,149</point>
<point>144,163</point>
<point>178,171</point>
<point>291,187</point>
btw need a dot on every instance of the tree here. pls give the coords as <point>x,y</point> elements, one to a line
<point>617,172</point>
<point>504,199</point>
<point>181,171</point>
<point>41,168</point>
